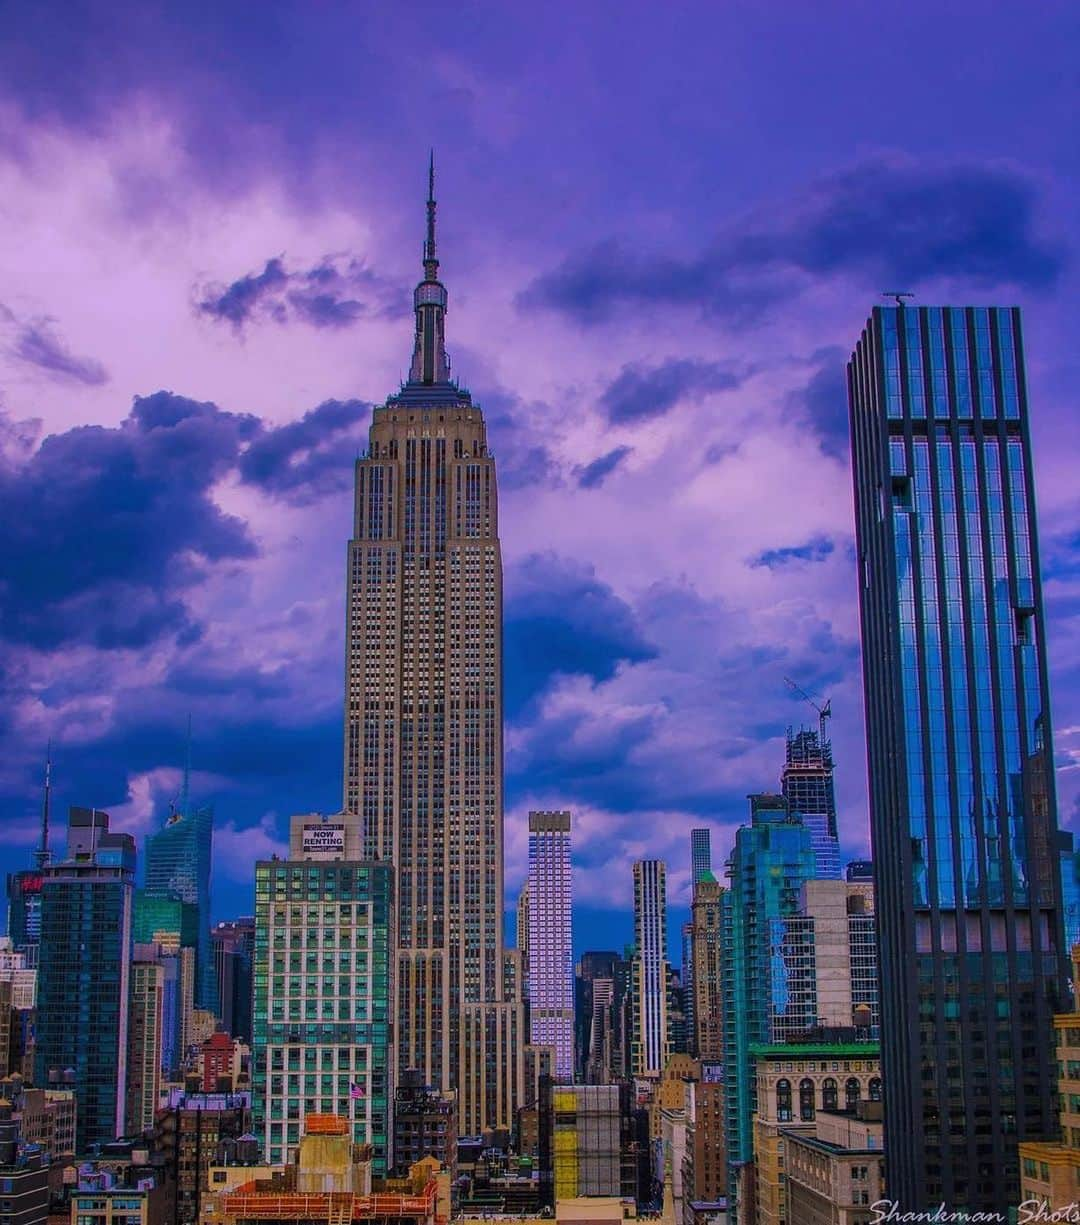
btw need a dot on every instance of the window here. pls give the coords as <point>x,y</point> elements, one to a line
<point>851,1093</point>
<point>783,1100</point>
<point>829,1098</point>
<point>806,1099</point>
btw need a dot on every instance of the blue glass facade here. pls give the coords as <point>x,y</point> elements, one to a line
<point>962,793</point>
<point>773,856</point>
<point>83,978</point>
<point>807,784</point>
<point>178,866</point>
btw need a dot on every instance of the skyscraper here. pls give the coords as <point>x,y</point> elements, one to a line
<point>807,785</point>
<point>321,1011</point>
<point>178,866</point>
<point>551,954</point>
<point>650,1045</point>
<point>771,859</point>
<point>962,803</point>
<point>423,720</point>
<point>700,854</point>
<point>705,932</point>
<point>84,969</point>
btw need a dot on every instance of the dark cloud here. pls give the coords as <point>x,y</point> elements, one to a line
<point>824,401</point>
<point>561,619</point>
<point>890,222</point>
<point>524,457</point>
<point>335,293</point>
<point>105,527</point>
<point>592,476</point>
<point>37,343</point>
<point>312,457</point>
<point>640,392</point>
<point>814,550</point>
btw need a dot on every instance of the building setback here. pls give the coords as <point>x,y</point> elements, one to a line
<point>962,803</point>
<point>423,742</point>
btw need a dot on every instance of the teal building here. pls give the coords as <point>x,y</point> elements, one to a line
<point>773,856</point>
<point>83,974</point>
<point>321,1002</point>
<point>178,866</point>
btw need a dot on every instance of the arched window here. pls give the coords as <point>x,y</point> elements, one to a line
<point>829,1094</point>
<point>851,1093</point>
<point>783,1100</point>
<point>875,1089</point>
<point>806,1099</point>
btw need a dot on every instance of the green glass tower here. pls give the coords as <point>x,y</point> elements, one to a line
<point>178,866</point>
<point>772,858</point>
<point>321,1008</point>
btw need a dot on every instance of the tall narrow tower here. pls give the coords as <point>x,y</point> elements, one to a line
<point>550,969</point>
<point>423,720</point>
<point>962,808</point>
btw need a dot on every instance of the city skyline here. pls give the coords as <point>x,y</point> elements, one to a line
<point>269,300</point>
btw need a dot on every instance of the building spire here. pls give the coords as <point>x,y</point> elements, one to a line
<point>431,262</point>
<point>185,790</point>
<point>43,855</point>
<point>430,365</point>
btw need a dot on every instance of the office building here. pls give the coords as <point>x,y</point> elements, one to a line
<point>1050,1170</point>
<point>827,963</point>
<point>82,1027</point>
<point>650,1046</point>
<point>772,858</point>
<point>178,861</point>
<point>550,974</point>
<point>807,786</point>
<point>233,945</point>
<point>423,751</point>
<point>834,1173</point>
<point>795,1084</point>
<point>700,854</point>
<point>24,887</point>
<point>705,938</point>
<point>145,1012</point>
<point>962,801</point>
<point>190,1130</point>
<point>425,1125</point>
<point>321,1016</point>
<point>24,1175</point>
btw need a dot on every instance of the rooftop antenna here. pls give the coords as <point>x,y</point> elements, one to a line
<point>185,788</point>
<point>898,294</point>
<point>43,855</point>
<point>824,712</point>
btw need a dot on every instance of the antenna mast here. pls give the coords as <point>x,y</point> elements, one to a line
<point>43,856</point>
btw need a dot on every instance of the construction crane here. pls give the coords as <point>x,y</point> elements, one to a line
<point>824,712</point>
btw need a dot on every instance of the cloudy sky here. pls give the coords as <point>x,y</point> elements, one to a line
<point>662,229</point>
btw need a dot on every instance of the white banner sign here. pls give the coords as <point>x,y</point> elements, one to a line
<point>329,839</point>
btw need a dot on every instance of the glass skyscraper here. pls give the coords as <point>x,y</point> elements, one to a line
<point>773,856</point>
<point>650,1046</point>
<point>700,854</point>
<point>178,866</point>
<point>962,802</point>
<point>82,1025</point>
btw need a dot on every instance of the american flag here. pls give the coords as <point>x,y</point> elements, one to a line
<point>355,1090</point>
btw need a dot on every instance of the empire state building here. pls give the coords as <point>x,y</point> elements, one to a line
<point>423,720</point>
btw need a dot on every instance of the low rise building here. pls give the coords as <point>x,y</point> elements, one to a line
<point>835,1173</point>
<point>425,1125</point>
<point>796,1081</point>
<point>188,1134</point>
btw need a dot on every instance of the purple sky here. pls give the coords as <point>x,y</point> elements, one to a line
<point>662,229</point>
